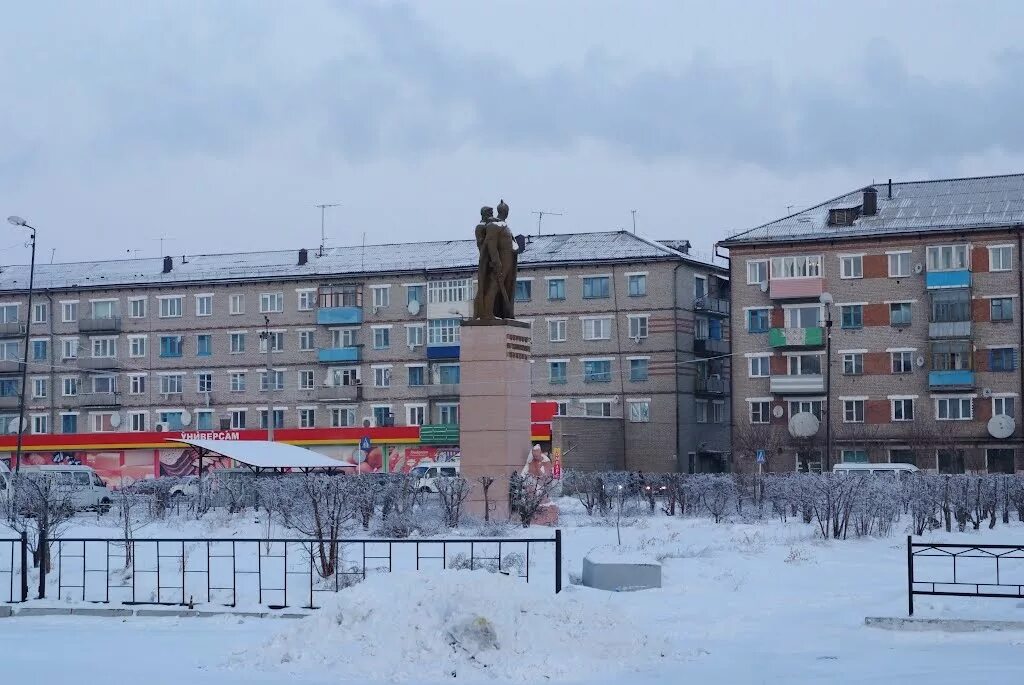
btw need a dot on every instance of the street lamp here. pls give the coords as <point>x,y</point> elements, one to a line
<point>826,299</point>
<point>266,338</point>
<point>18,221</point>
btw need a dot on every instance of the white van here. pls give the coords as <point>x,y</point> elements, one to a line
<point>430,472</point>
<point>88,491</point>
<point>896,469</point>
<point>5,481</point>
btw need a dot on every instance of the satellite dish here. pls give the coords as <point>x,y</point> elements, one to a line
<point>778,411</point>
<point>764,286</point>
<point>186,418</point>
<point>115,420</point>
<point>414,307</point>
<point>920,361</point>
<point>803,424</point>
<point>918,268</point>
<point>1000,426</point>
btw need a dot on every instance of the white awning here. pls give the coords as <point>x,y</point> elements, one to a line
<point>261,454</point>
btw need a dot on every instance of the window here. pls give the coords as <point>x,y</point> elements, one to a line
<point>639,411</point>
<point>947,257</point>
<point>236,304</point>
<point>805,365</point>
<point>1002,309</point>
<point>275,415</point>
<point>306,300</point>
<point>954,408</point>
<point>953,355</point>
<point>170,307</point>
<point>700,411</point>
<point>902,456</point>
<point>951,305</point>
<point>69,386</point>
<point>595,287</point>
<point>104,347</point>
<point>448,414</point>
<point>414,335</point>
<point>69,423</point>
<point>40,388</point>
<point>204,381</point>
<point>902,362</point>
<point>170,384</point>
<point>899,314</point>
<point>41,312</point>
<point>271,302</point>
<point>69,348</point>
<point>10,350</point>
<point>758,320</point>
<point>414,293</point>
<point>381,296</point>
<point>558,371</point>
<point>853,411</point>
<point>306,379</point>
<point>381,377</point>
<point>272,381</point>
<point>760,367</point>
<point>136,384</point>
<point>237,381</point>
<point>137,345</point>
<point>1000,258</point>
<point>757,272</point>
<point>597,329</point>
<point>808,406</point>
<point>760,412</point>
<point>638,369</point>
<point>852,266</point>
<point>382,416</point>
<point>561,408</point>
<point>276,341</point>
<point>204,419</point>
<point>343,417</point>
<point>1003,405</point>
<point>345,375</point>
<point>637,285</point>
<point>899,264</point>
<point>638,326</point>
<point>137,307</point>
<point>1000,460</point>
<point>524,290</point>
<point>854,456</point>
<point>68,311</point>
<point>40,350</point>
<point>204,345</point>
<point>415,414</point>
<point>597,371</point>
<point>340,296</point>
<point>796,267</point>
<point>381,338</point>
<point>170,345</point>
<point>307,418</point>
<point>101,422</point>
<point>40,423</point>
<point>700,287</point>
<point>104,309</point>
<point>417,376</point>
<point>556,288</point>
<point>305,341</point>
<point>852,315</point>
<point>1002,359</point>
<point>104,383</point>
<point>237,418</point>
<point>443,332</point>
<point>237,342</point>
<point>717,411</point>
<point>204,305</point>
<point>803,317</point>
<point>597,408</point>
<point>443,292</point>
<point>556,330</point>
<point>950,461</point>
<point>853,363</point>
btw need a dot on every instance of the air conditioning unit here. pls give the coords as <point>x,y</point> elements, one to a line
<point>986,392</point>
<point>368,419</point>
<point>162,427</point>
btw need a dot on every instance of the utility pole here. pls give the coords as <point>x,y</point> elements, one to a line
<point>540,217</point>
<point>323,230</point>
<point>265,336</point>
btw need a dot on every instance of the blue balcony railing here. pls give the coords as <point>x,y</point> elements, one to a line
<point>948,279</point>
<point>442,351</point>
<point>332,355</point>
<point>959,378</point>
<point>340,316</point>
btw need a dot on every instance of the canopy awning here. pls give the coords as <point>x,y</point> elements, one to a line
<point>260,454</point>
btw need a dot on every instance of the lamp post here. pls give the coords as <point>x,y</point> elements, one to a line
<point>265,337</point>
<point>18,221</point>
<point>826,299</point>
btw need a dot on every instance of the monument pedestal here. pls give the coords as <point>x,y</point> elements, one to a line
<point>494,421</point>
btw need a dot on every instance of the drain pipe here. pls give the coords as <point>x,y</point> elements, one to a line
<point>675,347</point>
<point>1020,301</point>
<point>732,370</point>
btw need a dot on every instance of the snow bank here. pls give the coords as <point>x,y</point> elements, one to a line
<point>470,625</point>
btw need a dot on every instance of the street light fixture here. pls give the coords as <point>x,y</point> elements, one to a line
<point>18,221</point>
<point>827,300</point>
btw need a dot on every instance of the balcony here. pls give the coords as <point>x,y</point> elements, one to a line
<point>442,351</point>
<point>709,347</point>
<point>10,366</point>
<point>98,363</point>
<point>711,305</point>
<point>100,324</point>
<point>949,329</point>
<point>813,336</point>
<point>957,379</point>
<point>948,279</point>
<point>339,355</point>
<point>709,386</point>
<point>9,328</point>
<point>339,393</point>
<point>795,288</point>
<point>443,390</point>
<point>9,401</point>
<point>796,384</point>
<point>339,316</point>
<point>97,399</point>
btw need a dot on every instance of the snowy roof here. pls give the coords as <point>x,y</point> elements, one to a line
<point>338,261</point>
<point>946,204</point>
<point>262,454</point>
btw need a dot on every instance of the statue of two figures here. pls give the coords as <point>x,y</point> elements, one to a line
<point>499,261</point>
<point>538,475</point>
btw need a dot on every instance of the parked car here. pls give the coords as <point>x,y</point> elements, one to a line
<point>87,490</point>
<point>895,469</point>
<point>189,485</point>
<point>429,473</point>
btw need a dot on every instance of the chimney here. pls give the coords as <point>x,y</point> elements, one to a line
<point>890,188</point>
<point>168,264</point>
<point>303,256</point>
<point>870,204</point>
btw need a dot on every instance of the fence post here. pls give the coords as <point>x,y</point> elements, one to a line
<point>24,566</point>
<point>910,575</point>
<point>44,558</point>
<point>558,560</point>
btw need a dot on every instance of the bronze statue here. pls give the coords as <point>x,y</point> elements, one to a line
<point>496,273</point>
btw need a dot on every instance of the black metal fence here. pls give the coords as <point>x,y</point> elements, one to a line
<point>277,572</point>
<point>960,570</point>
<point>14,569</point>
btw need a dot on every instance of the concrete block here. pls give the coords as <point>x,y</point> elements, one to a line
<point>610,569</point>
<point>42,611</point>
<point>97,611</point>
<point>166,613</point>
<point>5,611</point>
<point>239,614</point>
<point>949,625</point>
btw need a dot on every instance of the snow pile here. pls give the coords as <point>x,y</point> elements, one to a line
<point>470,625</point>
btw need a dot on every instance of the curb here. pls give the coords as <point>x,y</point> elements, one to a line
<point>7,611</point>
<point>949,625</point>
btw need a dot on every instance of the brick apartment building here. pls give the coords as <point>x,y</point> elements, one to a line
<point>925,285</point>
<point>371,334</point>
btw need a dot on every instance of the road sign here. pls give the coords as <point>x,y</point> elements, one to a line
<point>364,444</point>
<point>760,457</point>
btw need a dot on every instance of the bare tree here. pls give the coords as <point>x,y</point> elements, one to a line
<point>318,506</point>
<point>366,490</point>
<point>486,482</point>
<point>587,486</point>
<point>452,493</point>
<point>531,492</point>
<point>39,505</point>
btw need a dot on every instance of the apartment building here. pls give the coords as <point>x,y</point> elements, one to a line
<point>917,286</point>
<point>368,335</point>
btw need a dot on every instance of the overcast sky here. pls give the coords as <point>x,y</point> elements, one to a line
<point>219,125</point>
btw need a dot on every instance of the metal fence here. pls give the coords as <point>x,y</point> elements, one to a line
<point>13,569</point>
<point>277,572</point>
<point>959,570</point>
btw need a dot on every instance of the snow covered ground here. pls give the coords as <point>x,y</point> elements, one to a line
<point>761,602</point>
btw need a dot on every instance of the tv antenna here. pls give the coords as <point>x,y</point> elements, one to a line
<point>323,217</point>
<point>633,212</point>
<point>540,217</point>
<point>162,239</point>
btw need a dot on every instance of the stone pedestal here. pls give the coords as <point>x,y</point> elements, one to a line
<point>494,421</point>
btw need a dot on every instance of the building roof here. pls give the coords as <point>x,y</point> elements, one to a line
<point>339,261</point>
<point>956,204</point>
<point>262,454</point>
